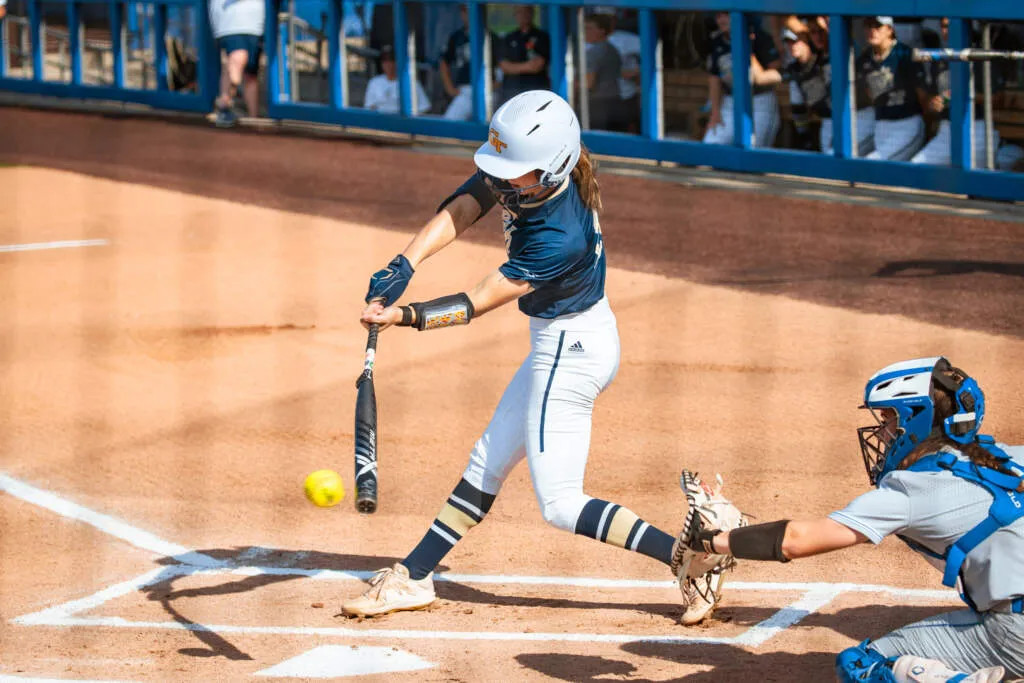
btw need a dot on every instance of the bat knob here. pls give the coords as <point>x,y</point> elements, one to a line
<point>366,506</point>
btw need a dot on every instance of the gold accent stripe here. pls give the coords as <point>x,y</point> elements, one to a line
<point>621,524</point>
<point>457,520</point>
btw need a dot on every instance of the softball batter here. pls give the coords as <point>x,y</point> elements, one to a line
<point>954,496</point>
<point>534,166</point>
<point>894,82</point>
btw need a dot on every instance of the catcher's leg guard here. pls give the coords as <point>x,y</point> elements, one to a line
<point>861,664</point>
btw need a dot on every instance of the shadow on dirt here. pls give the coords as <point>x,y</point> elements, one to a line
<point>938,268</point>
<point>728,663</point>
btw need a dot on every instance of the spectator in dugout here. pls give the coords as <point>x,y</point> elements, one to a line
<point>628,45</point>
<point>524,54</point>
<point>603,69</point>
<point>809,74</point>
<point>894,83</point>
<point>455,70</point>
<point>939,150</point>
<point>765,104</point>
<point>382,92</point>
<point>238,27</point>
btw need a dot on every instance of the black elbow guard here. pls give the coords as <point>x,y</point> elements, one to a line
<point>759,541</point>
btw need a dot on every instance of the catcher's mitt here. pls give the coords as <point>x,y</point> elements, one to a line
<point>708,511</point>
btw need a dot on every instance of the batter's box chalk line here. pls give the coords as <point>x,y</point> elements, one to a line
<point>814,596</point>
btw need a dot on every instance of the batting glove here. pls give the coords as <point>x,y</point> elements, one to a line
<point>390,282</point>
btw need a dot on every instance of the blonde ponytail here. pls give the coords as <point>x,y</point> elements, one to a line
<point>586,181</point>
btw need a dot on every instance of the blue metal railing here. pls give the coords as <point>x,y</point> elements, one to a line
<point>161,97</point>
<point>560,21</point>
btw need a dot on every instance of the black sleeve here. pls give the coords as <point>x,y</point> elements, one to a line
<point>449,51</point>
<point>543,46</point>
<point>476,187</point>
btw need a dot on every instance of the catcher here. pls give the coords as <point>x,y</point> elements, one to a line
<point>951,494</point>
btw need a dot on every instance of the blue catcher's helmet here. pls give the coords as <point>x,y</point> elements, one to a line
<point>905,388</point>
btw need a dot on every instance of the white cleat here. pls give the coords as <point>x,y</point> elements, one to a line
<point>391,590</point>
<point>700,596</point>
<point>912,669</point>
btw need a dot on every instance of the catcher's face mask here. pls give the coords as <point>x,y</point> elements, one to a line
<point>876,440</point>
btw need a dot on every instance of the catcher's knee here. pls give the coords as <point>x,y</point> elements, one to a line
<point>863,664</point>
<point>563,511</point>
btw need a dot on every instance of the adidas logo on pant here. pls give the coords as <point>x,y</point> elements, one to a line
<point>576,347</point>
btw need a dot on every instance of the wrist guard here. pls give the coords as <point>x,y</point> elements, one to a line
<point>454,309</point>
<point>759,541</point>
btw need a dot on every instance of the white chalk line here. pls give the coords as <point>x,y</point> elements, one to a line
<point>815,594</point>
<point>60,244</point>
<point>105,523</point>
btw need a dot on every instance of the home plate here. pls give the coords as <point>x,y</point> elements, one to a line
<point>333,661</point>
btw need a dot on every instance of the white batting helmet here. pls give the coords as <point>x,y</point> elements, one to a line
<point>535,130</point>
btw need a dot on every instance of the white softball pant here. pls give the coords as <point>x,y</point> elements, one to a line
<point>461,106</point>
<point>939,150</point>
<point>766,121</point>
<point>545,412</point>
<point>865,133</point>
<point>899,139</point>
<point>965,640</point>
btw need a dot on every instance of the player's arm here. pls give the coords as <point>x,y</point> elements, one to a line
<point>441,230</point>
<point>446,79</point>
<point>455,309</point>
<point>715,97</point>
<point>496,290</point>
<point>787,540</point>
<point>761,76</point>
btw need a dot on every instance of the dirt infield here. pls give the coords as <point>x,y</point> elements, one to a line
<point>167,385</point>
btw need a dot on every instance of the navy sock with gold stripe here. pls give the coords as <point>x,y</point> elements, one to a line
<point>616,525</point>
<point>463,510</point>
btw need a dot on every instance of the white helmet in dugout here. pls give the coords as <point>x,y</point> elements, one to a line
<point>535,130</point>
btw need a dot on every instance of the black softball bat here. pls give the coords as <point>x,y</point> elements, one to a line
<point>366,431</point>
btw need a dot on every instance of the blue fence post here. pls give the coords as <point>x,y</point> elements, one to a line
<point>117,42</point>
<point>209,55</point>
<point>961,103</point>
<point>75,41</point>
<point>406,68</point>
<point>160,45</point>
<point>271,29</point>
<point>335,67</point>
<point>650,76</point>
<point>743,127</point>
<point>559,45</point>
<point>479,60</point>
<point>4,47</point>
<point>842,91</point>
<point>35,24</point>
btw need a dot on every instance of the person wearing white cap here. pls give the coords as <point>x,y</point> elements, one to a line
<point>894,82</point>
<point>765,104</point>
<point>534,166</point>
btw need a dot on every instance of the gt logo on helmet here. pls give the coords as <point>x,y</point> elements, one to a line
<point>496,141</point>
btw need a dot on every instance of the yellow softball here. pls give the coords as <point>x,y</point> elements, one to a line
<point>325,488</point>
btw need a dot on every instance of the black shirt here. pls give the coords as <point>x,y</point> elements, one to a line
<point>520,46</point>
<point>720,60</point>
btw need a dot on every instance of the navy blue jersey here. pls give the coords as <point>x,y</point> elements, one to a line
<point>520,46</point>
<point>457,55</point>
<point>555,245</point>
<point>720,60</point>
<point>892,82</point>
<point>814,79</point>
